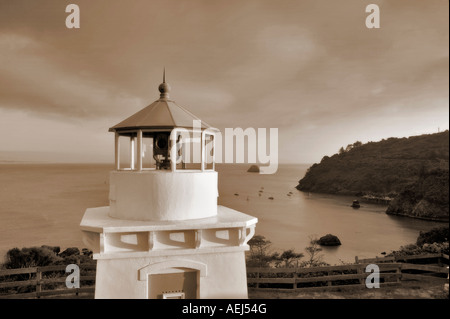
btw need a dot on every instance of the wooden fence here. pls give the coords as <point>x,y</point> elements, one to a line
<point>440,259</point>
<point>45,282</point>
<point>49,282</point>
<point>333,277</point>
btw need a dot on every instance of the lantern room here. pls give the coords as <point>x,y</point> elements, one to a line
<point>164,136</point>
<point>164,164</point>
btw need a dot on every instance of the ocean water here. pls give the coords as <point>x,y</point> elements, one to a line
<point>43,204</point>
<point>289,222</point>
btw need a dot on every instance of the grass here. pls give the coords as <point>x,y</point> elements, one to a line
<point>423,288</point>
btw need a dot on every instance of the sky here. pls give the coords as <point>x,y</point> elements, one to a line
<point>310,68</point>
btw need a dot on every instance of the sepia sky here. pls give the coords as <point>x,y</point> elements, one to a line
<point>310,68</point>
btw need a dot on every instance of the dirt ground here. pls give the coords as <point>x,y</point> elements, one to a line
<point>429,288</point>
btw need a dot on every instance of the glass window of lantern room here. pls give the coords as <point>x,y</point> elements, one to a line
<point>209,144</point>
<point>148,162</point>
<point>188,150</point>
<point>127,151</point>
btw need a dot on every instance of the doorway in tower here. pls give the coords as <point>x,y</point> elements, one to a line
<point>176,283</point>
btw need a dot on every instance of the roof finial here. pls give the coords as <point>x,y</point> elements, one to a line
<point>164,88</point>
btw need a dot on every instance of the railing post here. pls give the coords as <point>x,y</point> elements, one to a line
<point>132,151</point>
<point>139,150</point>
<point>117,151</point>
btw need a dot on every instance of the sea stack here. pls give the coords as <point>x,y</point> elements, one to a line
<point>253,169</point>
<point>329,240</point>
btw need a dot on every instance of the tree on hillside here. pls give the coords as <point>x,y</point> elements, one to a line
<point>288,258</point>
<point>314,258</point>
<point>357,144</point>
<point>259,254</point>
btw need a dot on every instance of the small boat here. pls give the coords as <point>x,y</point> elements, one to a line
<point>356,204</point>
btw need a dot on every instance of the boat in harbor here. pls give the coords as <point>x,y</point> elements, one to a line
<point>356,204</point>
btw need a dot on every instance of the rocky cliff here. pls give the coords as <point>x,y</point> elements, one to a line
<point>427,198</point>
<point>410,170</point>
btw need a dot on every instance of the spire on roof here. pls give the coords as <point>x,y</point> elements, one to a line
<point>164,88</point>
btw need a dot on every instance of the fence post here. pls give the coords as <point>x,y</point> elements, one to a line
<point>77,289</point>
<point>294,280</point>
<point>359,272</point>
<point>399,272</point>
<point>257,280</point>
<point>440,260</point>
<point>38,282</point>
<point>356,259</point>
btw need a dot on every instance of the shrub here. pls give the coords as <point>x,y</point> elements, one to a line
<point>30,257</point>
<point>70,252</point>
<point>436,248</point>
<point>436,235</point>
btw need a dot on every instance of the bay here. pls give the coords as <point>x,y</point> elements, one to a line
<point>289,222</point>
<point>43,204</point>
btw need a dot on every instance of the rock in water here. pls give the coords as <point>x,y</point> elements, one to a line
<point>329,240</point>
<point>253,169</point>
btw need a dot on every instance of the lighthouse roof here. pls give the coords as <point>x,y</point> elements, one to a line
<point>159,114</point>
<point>162,114</point>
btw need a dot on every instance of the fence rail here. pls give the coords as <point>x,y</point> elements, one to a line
<point>38,278</point>
<point>440,258</point>
<point>281,279</point>
<point>334,277</point>
<point>328,277</point>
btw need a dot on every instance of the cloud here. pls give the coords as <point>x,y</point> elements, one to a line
<point>86,141</point>
<point>30,79</point>
<point>306,67</point>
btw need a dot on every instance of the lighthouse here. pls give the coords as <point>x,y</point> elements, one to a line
<point>163,235</point>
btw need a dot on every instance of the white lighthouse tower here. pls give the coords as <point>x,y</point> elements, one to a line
<point>163,235</point>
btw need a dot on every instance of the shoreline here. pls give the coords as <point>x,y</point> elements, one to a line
<point>381,201</point>
<point>422,218</point>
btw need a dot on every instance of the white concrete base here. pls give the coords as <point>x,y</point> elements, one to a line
<point>201,258</point>
<point>218,276</point>
<point>163,195</point>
